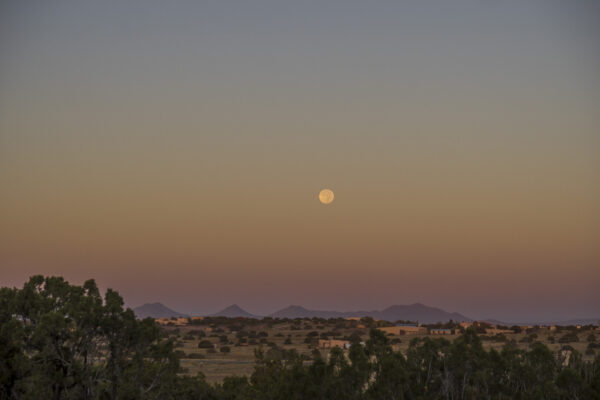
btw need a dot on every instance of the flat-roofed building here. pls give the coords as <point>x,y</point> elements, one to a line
<point>404,329</point>
<point>331,343</point>
<point>497,331</point>
<point>442,331</point>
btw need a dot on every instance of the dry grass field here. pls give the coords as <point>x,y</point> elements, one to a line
<point>216,365</point>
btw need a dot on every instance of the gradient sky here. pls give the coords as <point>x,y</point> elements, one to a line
<point>174,151</point>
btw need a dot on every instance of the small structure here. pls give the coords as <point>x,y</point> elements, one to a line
<point>181,321</point>
<point>440,331</point>
<point>404,329</point>
<point>466,324</point>
<point>497,331</point>
<point>331,343</point>
<point>525,327</point>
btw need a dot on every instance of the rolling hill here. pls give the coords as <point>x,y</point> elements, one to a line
<point>156,310</point>
<point>234,311</point>
<point>413,312</point>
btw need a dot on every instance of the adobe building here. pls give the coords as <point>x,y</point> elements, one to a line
<point>441,331</point>
<point>497,331</point>
<point>331,343</point>
<point>404,329</point>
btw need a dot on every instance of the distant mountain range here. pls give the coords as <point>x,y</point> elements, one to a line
<point>156,310</point>
<point>413,312</point>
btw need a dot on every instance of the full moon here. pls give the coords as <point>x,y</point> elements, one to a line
<point>326,196</point>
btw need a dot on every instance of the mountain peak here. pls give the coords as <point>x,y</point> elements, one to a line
<point>413,312</point>
<point>156,310</point>
<point>234,311</point>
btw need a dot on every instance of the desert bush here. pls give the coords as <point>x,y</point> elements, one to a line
<point>179,353</point>
<point>590,352</point>
<point>225,349</point>
<point>568,337</point>
<point>205,344</point>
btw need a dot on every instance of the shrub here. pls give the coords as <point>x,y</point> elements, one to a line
<point>225,349</point>
<point>590,351</point>
<point>205,344</point>
<point>179,353</point>
<point>568,337</point>
<point>287,341</point>
<point>501,338</point>
<point>197,332</point>
<point>316,354</point>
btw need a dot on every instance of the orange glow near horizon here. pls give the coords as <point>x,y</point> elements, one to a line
<point>174,155</point>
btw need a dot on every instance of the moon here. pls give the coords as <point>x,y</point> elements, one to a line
<point>326,196</point>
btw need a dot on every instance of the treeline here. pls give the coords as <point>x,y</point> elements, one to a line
<point>61,341</point>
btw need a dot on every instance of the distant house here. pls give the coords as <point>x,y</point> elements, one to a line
<point>466,324</point>
<point>497,331</point>
<point>405,329</point>
<point>525,327</point>
<point>331,343</point>
<point>162,321</point>
<point>181,321</point>
<point>196,318</point>
<point>440,331</point>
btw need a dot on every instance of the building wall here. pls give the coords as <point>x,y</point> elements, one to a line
<point>330,343</point>
<point>408,330</point>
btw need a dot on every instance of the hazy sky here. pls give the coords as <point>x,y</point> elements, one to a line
<point>174,151</point>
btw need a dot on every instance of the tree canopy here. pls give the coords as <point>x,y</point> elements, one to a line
<point>63,341</point>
